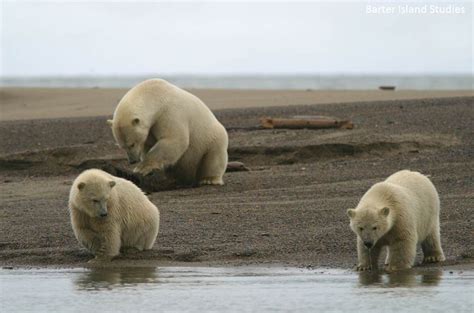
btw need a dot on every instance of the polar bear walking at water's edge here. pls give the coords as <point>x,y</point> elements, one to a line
<point>163,127</point>
<point>399,213</point>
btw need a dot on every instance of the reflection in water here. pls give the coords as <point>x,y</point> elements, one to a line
<point>408,278</point>
<point>106,278</point>
<point>229,289</point>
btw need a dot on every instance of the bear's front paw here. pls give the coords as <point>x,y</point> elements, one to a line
<point>94,245</point>
<point>145,168</point>
<point>363,268</point>
<point>211,181</point>
<point>433,259</point>
<point>98,260</point>
<point>394,268</point>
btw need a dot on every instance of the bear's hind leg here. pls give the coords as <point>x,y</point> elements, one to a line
<point>136,242</point>
<point>213,166</point>
<point>150,236</point>
<point>149,242</point>
<point>431,246</point>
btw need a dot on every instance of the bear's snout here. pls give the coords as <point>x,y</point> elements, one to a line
<point>368,244</point>
<point>132,157</point>
<point>103,210</point>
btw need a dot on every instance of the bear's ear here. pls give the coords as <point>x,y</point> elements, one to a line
<point>385,211</point>
<point>351,213</point>
<point>111,183</point>
<point>81,186</point>
<point>110,122</point>
<point>135,121</point>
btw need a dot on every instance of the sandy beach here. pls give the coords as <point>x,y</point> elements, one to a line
<point>290,208</point>
<point>47,103</point>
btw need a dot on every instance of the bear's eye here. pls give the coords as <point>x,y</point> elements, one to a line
<point>361,228</point>
<point>132,145</point>
<point>95,201</point>
<point>374,228</point>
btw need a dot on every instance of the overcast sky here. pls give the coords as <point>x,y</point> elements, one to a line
<point>103,38</point>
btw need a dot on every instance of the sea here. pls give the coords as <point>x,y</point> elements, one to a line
<point>290,82</point>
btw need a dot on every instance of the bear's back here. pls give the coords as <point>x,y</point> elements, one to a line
<point>405,190</point>
<point>421,197</point>
<point>415,183</point>
<point>129,196</point>
<point>158,95</point>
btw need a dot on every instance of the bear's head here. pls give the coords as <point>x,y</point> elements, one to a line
<point>370,223</point>
<point>93,195</point>
<point>131,134</point>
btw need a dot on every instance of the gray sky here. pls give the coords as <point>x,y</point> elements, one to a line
<point>101,38</point>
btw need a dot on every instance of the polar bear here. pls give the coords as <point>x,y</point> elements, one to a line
<point>109,213</point>
<point>399,213</point>
<point>163,127</point>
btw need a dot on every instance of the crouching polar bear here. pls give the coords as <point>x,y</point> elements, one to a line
<point>109,213</point>
<point>399,213</point>
<point>163,127</point>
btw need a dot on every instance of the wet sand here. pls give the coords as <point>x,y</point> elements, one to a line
<point>289,209</point>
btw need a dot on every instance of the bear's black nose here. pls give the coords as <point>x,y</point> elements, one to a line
<point>368,244</point>
<point>103,214</point>
<point>132,162</point>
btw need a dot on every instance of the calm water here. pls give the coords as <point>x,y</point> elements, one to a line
<point>241,289</point>
<point>316,82</point>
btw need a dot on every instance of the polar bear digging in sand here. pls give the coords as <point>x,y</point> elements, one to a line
<point>109,213</point>
<point>166,128</point>
<point>399,213</point>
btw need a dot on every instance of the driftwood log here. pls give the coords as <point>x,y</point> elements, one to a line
<point>310,121</point>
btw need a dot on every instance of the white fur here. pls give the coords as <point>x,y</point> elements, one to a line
<point>132,221</point>
<point>400,213</point>
<point>165,127</point>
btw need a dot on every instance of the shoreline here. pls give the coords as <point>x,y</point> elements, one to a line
<point>123,263</point>
<point>466,266</point>
<point>450,269</point>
